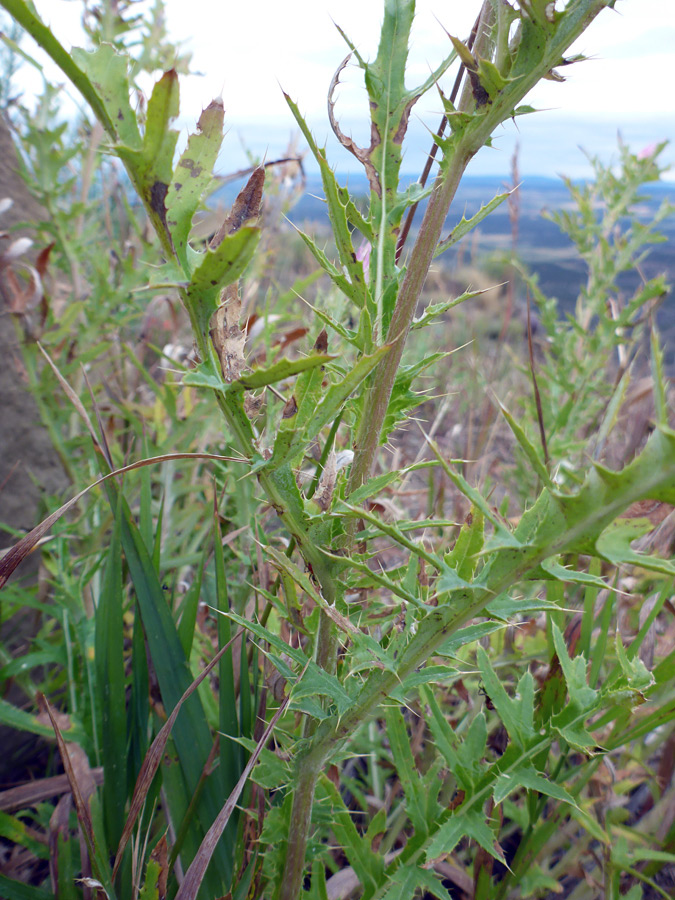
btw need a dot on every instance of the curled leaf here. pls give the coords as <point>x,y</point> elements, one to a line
<point>247,206</point>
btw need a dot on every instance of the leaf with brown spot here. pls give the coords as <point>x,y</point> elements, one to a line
<point>160,856</point>
<point>192,177</point>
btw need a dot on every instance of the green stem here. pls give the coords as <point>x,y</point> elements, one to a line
<point>381,381</point>
<point>301,817</point>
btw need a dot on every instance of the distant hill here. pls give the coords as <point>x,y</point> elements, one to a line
<point>541,244</point>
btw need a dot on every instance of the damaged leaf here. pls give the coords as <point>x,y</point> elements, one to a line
<point>228,338</point>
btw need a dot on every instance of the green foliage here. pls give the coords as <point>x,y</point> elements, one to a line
<point>380,628</point>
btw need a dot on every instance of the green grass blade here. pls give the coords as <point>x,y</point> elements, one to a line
<point>109,643</point>
<point>191,732</point>
<point>228,726</point>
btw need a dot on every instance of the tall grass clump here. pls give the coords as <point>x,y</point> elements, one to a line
<point>278,682</point>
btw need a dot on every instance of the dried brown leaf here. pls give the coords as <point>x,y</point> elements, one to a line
<point>160,855</point>
<point>252,405</point>
<point>228,338</point>
<point>323,495</point>
<point>77,771</point>
<point>247,206</point>
<point>321,343</point>
<point>35,791</point>
<point>363,156</point>
<point>290,408</point>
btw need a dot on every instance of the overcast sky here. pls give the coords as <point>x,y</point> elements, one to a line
<point>248,51</point>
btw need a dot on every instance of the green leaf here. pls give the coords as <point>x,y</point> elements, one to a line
<point>464,824</point>
<point>108,72</point>
<point>403,399</point>
<point>526,776</point>
<point>340,209</point>
<point>571,576</point>
<point>13,717</point>
<point>267,636</point>
<point>217,269</point>
<point>355,293</point>
<point>528,448</point>
<point>191,177</point>
<point>270,772</point>
<point>150,889</point>
<point>317,681</point>
<point>407,770</point>
<point>191,733</point>
<point>447,742</point>
<point>466,225</point>
<point>463,557</point>
<point>15,830</point>
<point>614,545</point>
<point>19,890</point>
<point>368,866</point>
<point>502,536</point>
<point>517,714</point>
<point>279,371</point>
<point>434,310</point>
<point>336,395</point>
<point>373,486</point>
<point>205,375</point>
<point>467,635</point>
<point>159,141</point>
<point>111,690</point>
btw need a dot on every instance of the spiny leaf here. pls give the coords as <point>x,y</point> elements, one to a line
<point>108,71</point>
<point>465,225</point>
<point>340,391</point>
<point>526,776</point>
<point>517,713</point>
<point>463,557</point>
<point>281,370</point>
<point>340,209</point>
<point>159,141</point>
<point>367,865</point>
<point>191,178</point>
<point>464,824</point>
<point>434,310</point>
<point>218,269</point>
<point>354,292</point>
<point>528,448</point>
<point>403,399</point>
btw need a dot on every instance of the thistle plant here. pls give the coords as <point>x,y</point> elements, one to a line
<point>353,642</point>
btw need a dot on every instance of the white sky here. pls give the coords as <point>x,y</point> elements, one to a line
<point>246,50</point>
